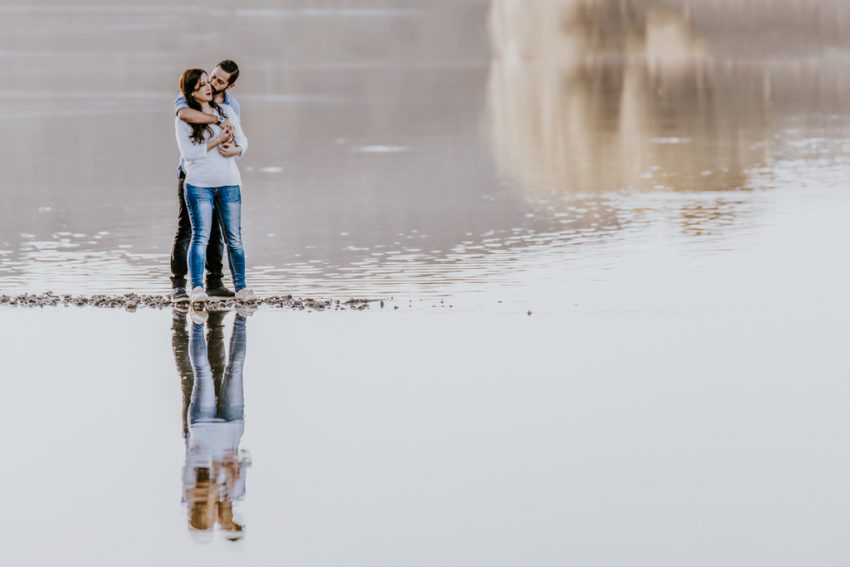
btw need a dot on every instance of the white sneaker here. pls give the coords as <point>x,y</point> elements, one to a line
<point>198,295</point>
<point>245,294</point>
<point>246,310</point>
<point>198,317</point>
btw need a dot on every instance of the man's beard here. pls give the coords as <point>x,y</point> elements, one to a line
<point>215,93</point>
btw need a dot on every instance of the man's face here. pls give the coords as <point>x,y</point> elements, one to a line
<point>219,80</point>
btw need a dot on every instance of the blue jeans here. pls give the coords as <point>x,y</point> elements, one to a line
<point>227,201</point>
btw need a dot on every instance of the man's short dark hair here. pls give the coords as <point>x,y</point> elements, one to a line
<point>231,68</point>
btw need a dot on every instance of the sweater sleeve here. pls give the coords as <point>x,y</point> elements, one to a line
<point>239,135</point>
<point>188,149</point>
<point>180,103</point>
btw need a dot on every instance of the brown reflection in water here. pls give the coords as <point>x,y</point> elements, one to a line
<point>594,96</point>
<point>698,219</point>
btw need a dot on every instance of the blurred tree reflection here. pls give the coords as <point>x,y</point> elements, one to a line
<point>588,96</point>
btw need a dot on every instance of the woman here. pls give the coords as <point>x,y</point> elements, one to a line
<point>209,153</point>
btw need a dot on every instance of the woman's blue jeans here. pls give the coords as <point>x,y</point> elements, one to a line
<point>228,201</point>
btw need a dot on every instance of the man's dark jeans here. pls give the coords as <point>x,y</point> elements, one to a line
<point>180,248</point>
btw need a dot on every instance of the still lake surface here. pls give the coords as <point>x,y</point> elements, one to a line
<point>663,185</point>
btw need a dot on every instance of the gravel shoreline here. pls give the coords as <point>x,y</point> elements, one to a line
<point>133,301</point>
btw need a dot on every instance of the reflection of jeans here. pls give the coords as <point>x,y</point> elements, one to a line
<point>230,405</point>
<point>215,468</point>
<point>216,354</point>
<point>201,202</point>
<point>180,347</point>
<point>215,347</point>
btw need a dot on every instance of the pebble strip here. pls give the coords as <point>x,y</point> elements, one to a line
<point>133,301</point>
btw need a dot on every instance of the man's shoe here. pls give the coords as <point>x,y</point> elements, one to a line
<point>245,294</point>
<point>198,295</point>
<point>178,314</point>
<point>179,295</point>
<point>219,291</point>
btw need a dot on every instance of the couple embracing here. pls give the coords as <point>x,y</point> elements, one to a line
<point>210,139</point>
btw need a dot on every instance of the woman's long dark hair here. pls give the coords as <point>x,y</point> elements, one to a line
<point>188,83</point>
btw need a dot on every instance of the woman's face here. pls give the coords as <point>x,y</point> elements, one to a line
<point>203,90</point>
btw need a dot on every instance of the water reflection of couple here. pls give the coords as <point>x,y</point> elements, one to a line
<point>210,138</point>
<point>213,420</point>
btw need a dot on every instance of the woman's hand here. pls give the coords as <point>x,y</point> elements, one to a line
<point>225,137</point>
<point>222,138</point>
<point>229,150</point>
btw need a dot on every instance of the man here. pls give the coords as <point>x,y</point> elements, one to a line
<point>222,80</point>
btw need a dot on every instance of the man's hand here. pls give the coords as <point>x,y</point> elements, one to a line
<point>223,138</point>
<point>229,150</point>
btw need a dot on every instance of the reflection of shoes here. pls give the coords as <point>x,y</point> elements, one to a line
<point>178,314</point>
<point>199,295</point>
<point>198,317</point>
<point>245,294</point>
<point>219,291</point>
<point>217,308</point>
<point>179,295</point>
<point>245,310</point>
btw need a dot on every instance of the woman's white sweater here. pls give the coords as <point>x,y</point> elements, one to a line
<point>209,168</point>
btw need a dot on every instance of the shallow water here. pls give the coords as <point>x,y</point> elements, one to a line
<point>406,150</point>
<point>615,233</point>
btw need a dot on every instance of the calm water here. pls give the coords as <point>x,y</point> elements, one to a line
<point>663,185</point>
